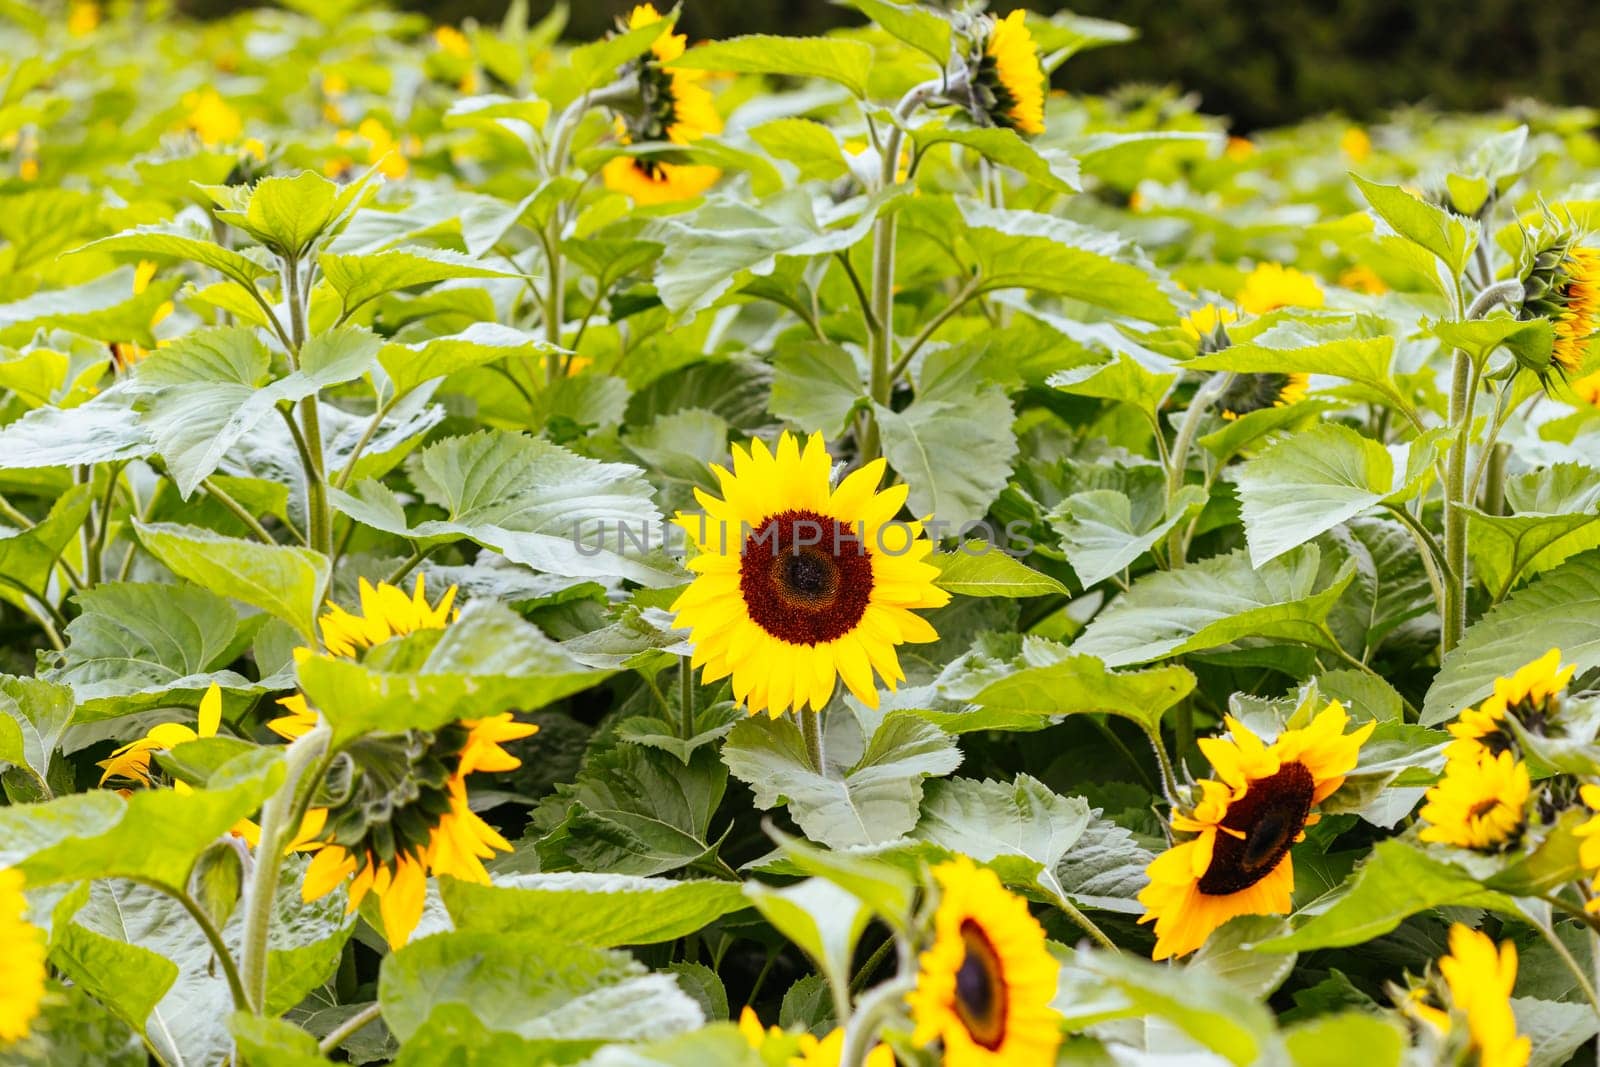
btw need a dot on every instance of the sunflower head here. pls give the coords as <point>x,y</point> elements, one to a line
<point>672,107</point>
<point>1207,327</point>
<point>1243,823</point>
<point>1257,392</point>
<point>1005,78</point>
<point>22,961</point>
<point>1561,282</point>
<point>799,582</point>
<point>1532,696</point>
<point>984,987</point>
<point>1479,978</point>
<point>1588,834</point>
<point>394,809</point>
<point>1271,286</point>
<point>131,762</point>
<point>1480,803</point>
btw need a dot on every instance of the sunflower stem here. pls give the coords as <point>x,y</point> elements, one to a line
<point>686,697</point>
<point>213,936</point>
<point>1178,465</point>
<point>1083,922</point>
<point>862,1027</point>
<point>1169,782</point>
<point>350,1027</point>
<point>277,828</point>
<point>1455,516</point>
<point>1547,931</point>
<point>811,727</point>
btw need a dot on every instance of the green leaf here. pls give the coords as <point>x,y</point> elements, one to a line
<point>1349,1037</point>
<point>596,910</point>
<point>97,947</point>
<point>809,145</point>
<point>870,801</point>
<point>1396,881</point>
<point>595,63</point>
<point>1048,168</point>
<point>27,557</point>
<point>1122,378</point>
<point>923,29</point>
<point>832,58</point>
<point>482,343</point>
<point>1448,236</point>
<point>33,715</point>
<point>263,1040</point>
<point>1027,250</point>
<point>173,241</point>
<point>885,888</point>
<point>105,430</point>
<point>575,997</point>
<point>955,452</point>
<point>106,309</point>
<point>282,580</point>
<point>1020,828</point>
<point>824,920</point>
<point>1561,608</point>
<point>1229,953</point>
<point>1365,360</point>
<point>1106,868</point>
<point>1314,480</point>
<point>1556,1029</point>
<point>289,214</point>
<point>1103,531</point>
<point>1216,602</point>
<point>816,385</point>
<point>1555,513</point>
<point>360,278</point>
<point>1079,684</point>
<point>978,568</point>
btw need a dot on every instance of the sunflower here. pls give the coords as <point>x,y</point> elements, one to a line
<point>1258,805</point>
<point>1272,286</point>
<point>798,584</point>
<point>22,956</point>
<point>1480,803</point>
<point>1355,143</point>
<point>829,1052</point>
<point>1007,80</point>
<point>1589,832</point>
<point>1575,311</point>
<point>1207,327</point>
<point>1363,279</point>
<point>1257,392</point>
<point>211,118</point>
<point>1480,979</point>
<point>674,107</point>
<point>386,611</point>
<point>985,986</point>
<point>1532,695</point>
<point>405,815</point>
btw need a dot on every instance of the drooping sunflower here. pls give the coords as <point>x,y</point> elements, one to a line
<point>799,584</point>
<point>1259,804</point>
<point>675,108</point>
<point>1257,392</point>
<point>1532,694</point>
<point>386,611</point>
<point>1481,978</point>
<point>22,961</point>
<point>1272,286</point>
<point>984,988</point>
<point>1480,803</point>
<point>1007,80</point>
<point>1563,285</point>
<point>405,815</point>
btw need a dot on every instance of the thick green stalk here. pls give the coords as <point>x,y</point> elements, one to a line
<point>320,517</point>
<point>1178,459</point>
<point>686,697</point>
<point>811,727</point>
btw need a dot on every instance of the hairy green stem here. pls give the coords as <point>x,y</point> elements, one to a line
<point>1169,782</point>
<point>686,697</point>
<point>350,1027</point>
<point>1178,460</point>
<point>319,518</point>
<point>277,830</point>
<point>240,512</point>
<point>861,1028</point>
<point>1455,517</point>
<point>213,936</point>
<point>811,727</point>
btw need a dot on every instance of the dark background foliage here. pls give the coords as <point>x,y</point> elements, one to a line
<point>1263,62</point>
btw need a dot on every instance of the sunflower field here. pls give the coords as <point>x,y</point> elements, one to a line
<point>782,552</point>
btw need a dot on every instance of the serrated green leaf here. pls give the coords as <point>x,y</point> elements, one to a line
<point>1080,683</point>
<point>597,910</point>
<point>809,145</point>
<point>1448,236</point>
<point>360,278</point>
<point>833,58</point>
<point>282,580</point>
<point>979,569</point>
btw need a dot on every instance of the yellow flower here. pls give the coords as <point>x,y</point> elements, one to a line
<point>1531,694</point>
<point>1257,392</point>
<point>131,762</point>
<point>1258,805</point>
<point>212,119</point>
<point>829,1052</point>
<point>383,150</point>
<point>1480,981</point>
<point>1239,148</point>
<point>1272,285</point>
<point>1203,321</point>
<point>677,109</point>
<point>1480,803</point>
<point>335,84</point>
<point>1589,846</point>
<point>386,611</point>
<point>427,826</point>
<point>453,42</point>
<point>797,584</point>
<point>984,988</point>
<point>22,961</point>
<point>1577,293</point>
<point>28,170</point>
<point>1363,279</point>
<point>82,17</point>
<point>1588,388</point>
<point>1356,144</point>
<point>754,1033</point>
<point>1009,75</point>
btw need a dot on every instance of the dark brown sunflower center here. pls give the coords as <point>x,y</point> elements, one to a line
<point>806,579</point>
<point>981,989</point>
<point>1254,392</point>
<point>1270,816</point>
